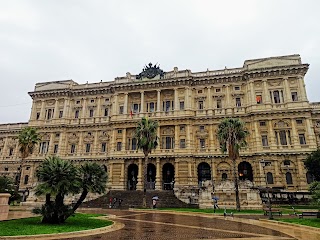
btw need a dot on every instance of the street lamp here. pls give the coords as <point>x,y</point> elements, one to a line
<point>264,164</point>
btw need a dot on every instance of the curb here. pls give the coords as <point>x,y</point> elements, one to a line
<point>291,224</point>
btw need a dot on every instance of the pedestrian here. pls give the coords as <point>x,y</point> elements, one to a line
<point>114,202</point>
<point>215,204</point>
<point>110,202</point>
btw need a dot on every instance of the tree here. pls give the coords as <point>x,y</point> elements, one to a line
<point>7,186</point>
<point>28,138</point>
<point>93,179</point>
<point>312,163</point>
<point>147,140</point>
<point>58,178</point>
<point>314,189</point>
<point>231,135</point>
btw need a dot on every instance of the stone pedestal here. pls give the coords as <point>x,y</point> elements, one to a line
<point>4,206</point>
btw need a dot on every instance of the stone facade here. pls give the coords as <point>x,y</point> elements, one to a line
<point>95,122</point>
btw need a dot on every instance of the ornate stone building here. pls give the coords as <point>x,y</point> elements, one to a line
<point>95,122</point>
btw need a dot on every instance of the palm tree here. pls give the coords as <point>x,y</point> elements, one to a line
<point>231,135</point>
<point>93,179</point>
<point>28,138</point>
<point>57,178</point>
<point>147,139</point>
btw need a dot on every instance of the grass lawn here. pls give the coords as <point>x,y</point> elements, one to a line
<point>312,222</point>
<point>33,226</point>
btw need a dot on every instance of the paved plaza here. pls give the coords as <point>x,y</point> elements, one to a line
<point>164,225</point>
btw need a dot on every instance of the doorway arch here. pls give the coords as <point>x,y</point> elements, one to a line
<point>132,176</point>
<point>151,176</point>
<point>245,171</point>
<point>168,176</point>
<point>204,172</point>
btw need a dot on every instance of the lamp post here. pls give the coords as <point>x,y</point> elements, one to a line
<point>264,164</point>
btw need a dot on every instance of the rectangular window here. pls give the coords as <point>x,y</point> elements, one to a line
<point>168,105</point>
<point>73,148</point>
<point>134,144</point>
<point>88,146</point>
<point>121,110</point>
<point>169,142</point>
<point>302,139</point>
<point>6,169</point>
<point>276,97</point>
<point>76,114</point>
<point>283,137</point>
<point>135,108</point>
<point>38,115</point>
<point>181,105</point>
<point>43,147</point>
<point>91,113</point>
<point>10,151</point>
<point>262,123</point>
<point>218,90</point>
<point>299,121</point>
<point>55,149</point>
<point>151,107</point>
<point>103,147</point>
<point>238,102</point>
<point>219,103</point>
<point>119,145</point>
<point>201,128</point>
<point>294,96</point>
<point>92,100</point>
<point>106,112</point>
<point>49,114</point>
<point>60,114</point>
<point>202,143</point>
<point>259,99</point>
<point>237,88</point>
<point>182,128</point>
<point>200,105</point>
<point>264,139</point>
<point>182,143</point>
<point>78,102</point>
<point>119,131</point>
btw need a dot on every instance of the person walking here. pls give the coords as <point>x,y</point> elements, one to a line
<point>215,204</point>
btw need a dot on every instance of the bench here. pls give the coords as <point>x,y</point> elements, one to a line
<point>309,214</point>
<point>267,210</point>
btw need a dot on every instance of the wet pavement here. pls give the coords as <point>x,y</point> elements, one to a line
<point>160,226</point>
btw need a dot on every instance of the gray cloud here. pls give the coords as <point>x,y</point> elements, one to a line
<point>94,40</point>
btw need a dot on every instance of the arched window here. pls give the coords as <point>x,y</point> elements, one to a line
<point>309,177</point>
<point>289,178</point>
<point>224,176</point>
<point>26,179</point>
<point>269,178</point>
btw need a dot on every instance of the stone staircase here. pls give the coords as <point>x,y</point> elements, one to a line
<point>134,199</point>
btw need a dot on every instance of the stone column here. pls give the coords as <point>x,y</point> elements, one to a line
<point>124,139</point>
<point>311,137</point>
<point>142,102</point>
<point>272,137</point>
<point>84,106</point>
<point>125,107</point>
<point>140,177</point>
<point>115,105</point>
<point>209,106</point>
<point>65,108</point>
<point>252,93</point>
<point>176,172</point>
<point>176,99</point>
<point>302,90</point>
<point>287,90</point>
<point>56,109</point>
<point>62,150</point>
<point>158,177</point>
<point>266,96</point>
<point>294,137</point>
<point>95,149</point>
<point>186,98</point>
<point>122,177</point>
<point>258,142</point>
<point>188,142</point>
<point>190,173</point>
<point>42,113</point>
<point>33,110</point>
<point>228,99</point>
<point>158,100</point>
<point>176,137</point>
<point>98,112</point>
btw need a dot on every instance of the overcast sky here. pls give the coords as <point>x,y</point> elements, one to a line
<point>91,40</point>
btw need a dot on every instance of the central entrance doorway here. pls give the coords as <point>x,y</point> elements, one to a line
<point>132,176</point>
<point>204,173</point>
<point>168,176</point>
